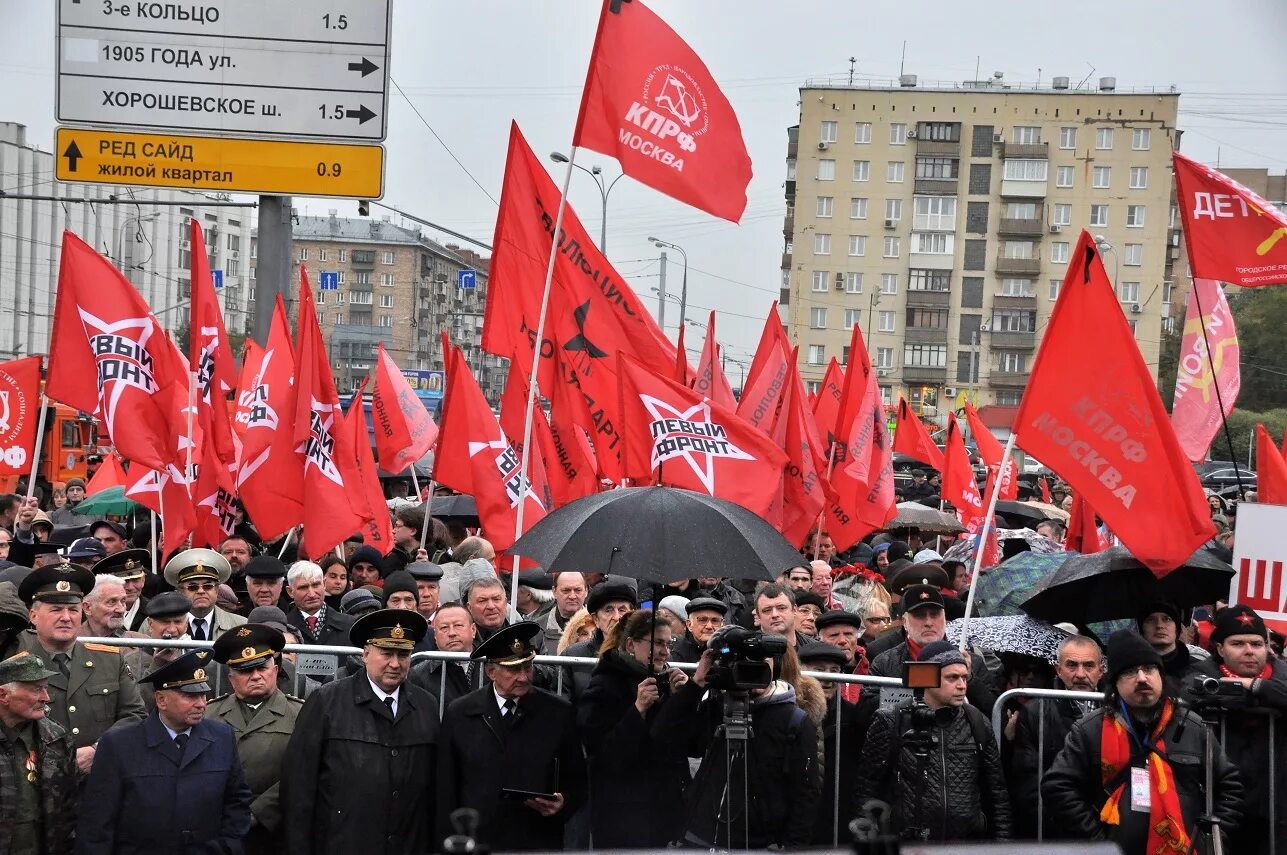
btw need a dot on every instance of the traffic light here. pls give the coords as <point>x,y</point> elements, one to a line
<point>364,208</point>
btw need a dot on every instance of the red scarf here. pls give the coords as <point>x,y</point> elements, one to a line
<point>1265,673</point>
<point>913,648</point>
<point>1166,832</point>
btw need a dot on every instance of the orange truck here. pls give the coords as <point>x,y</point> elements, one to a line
<point>70,437</point>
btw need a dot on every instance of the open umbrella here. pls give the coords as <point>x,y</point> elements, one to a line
<point>925,519</point>
<point>1019,514</point>
<point>459,508</point>
<point>110,502</point>
<point>1003,588</point>
<point>1011,634</point>
<point>655,534</point>
<point>1114,584</point>
<point>1052,512</point>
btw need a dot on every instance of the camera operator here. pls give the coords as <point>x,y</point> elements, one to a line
<point>637,772</point>
<point>1250,694</point>
<point>760,778</point>
<point>1133,772</point>
<point>936,761</point>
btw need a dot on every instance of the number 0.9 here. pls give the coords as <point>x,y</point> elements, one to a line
<point>332,170</point>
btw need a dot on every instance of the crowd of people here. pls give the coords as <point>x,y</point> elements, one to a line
<point>768,738</point>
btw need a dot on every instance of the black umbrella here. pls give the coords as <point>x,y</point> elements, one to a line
<point>461,509</point>
<point>657,534</point>
<point>1019,515</point>
<point>1113,584</point>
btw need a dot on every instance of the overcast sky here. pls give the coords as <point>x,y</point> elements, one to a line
<point>470,66</point>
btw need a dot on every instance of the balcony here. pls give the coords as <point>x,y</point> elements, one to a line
<point>788,226</point>
<point>1008,379</point>
<point>931,260</point>
<point>1021,227</point>
<point>786,261</point>
<point>937,186</point>
<point>928,299</point>
<point>924,374</point>
<point>362,258</point>
<point>1026,150</point>
<point>1014,340</point>
<point>1019,266</point>
<point>790,189</point>
<point>1014,301</point>
<point>925,335</point>
<point>951,148</point>
<point>1023,188</point>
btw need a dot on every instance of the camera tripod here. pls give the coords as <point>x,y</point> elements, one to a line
<point>737,730</point>
<point>1208,824</point>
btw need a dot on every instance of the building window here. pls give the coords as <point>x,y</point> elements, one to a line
<point>386,280</point>
<point>790,164</point>
<point>897,134</point>
<point>1025,170</point>
<point>857,208</point>
<point>934,213</point>
<point>885,322</point>
<point>894,209</point>
<point>925,355</point>
<point>1134,325</point>
<point>1099,215</point>
<point>817,354</point>
<point>939,131</point>
<point>339,277</point>
<point>386,257</point>
<point>828,132</point>
<point>826,170</point>
<point>337,318</point>
<point>862,133</point>
<point>1020,249</point>
<point>853,318</point>
<point>1129,292</point>
<point>891,247</point>
<point>1025,135</point>
<point>942,168</point>
<point>821,244</point>
<point>1139,177</point>
<point>322,254</point>
<point>1135,216</point>
<point>894,172</point>
<point>1009,398</point>
<point>320,299</point>
<point>1059,252</point>
<point>386,320</point>
<point>927,319</point>
<point>825,204</point>
<point>1013,320</point>
<point>1053,290</point>
<point>362,278</point>
<point>1067,138</point>
<point>1063,176</point>
<point>1016,288</point>
<point>818,318</point>
<point>1104,139</point>
<point>1012,362</point>
<point>1021,211</point>
<point>862,170</point>
<point>857,245</point>
<point>342,254</point>
<point>1101,177</point>
<point>935,243</point>
<point>303,253</point>
<point>360,298</point>
<point>1062,215</point>
<point>884,357</point>
<point>819,281</point>
<point>889,283</point>
<point>929,280</point>
<point>853,282</point>
<point>1141,138</point>
<point>1133,255</point>
<point>386,301</point>
<point>252,276</point>
<point>1168,292</point>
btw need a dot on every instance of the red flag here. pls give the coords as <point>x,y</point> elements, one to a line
<point>377,531</point>
<point>1045,489</point>
<point>679,438</point>
<point>651,103</point>
<point>992,452</point>
<point>110,474</point>
<point>473,457</point>
<point>826,406</point>
<point>1271,470</point>
<point>569,412</point>
<point>912,438</point>
<point>572,465</point>
<point>110,357</point>
<point>959,486</point>
<point>710,380</point>
<point>19,412</point>
<point>1195,409</point>
<point>214,499</point>
<point>682,372</point>
<point>252,358</point>
<point>166,493</point>
<point>1083,534</point>
<point>1232,234</point>
<point>804,484</point>
<point>404,430</point>
<point>513,418</point>
<point>1093,415</point>
<point>592,313</point>
<point>209,354</point>
<point>270,479</point>
<point>766,380</point>
<point>332,507</point>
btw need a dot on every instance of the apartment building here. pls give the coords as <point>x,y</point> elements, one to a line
<point>940,218</point>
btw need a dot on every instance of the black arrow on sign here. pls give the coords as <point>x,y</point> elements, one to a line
<point>362,114</point>
<point>72,153</point>
<point>366,66</point>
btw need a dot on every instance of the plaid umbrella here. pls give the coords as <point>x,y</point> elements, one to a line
<point>963,550</point>
<point>1011,634</point>
<point>1004,587</point>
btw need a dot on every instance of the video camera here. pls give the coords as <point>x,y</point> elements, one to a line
<point>1203,688</point>
<point>739,664</point>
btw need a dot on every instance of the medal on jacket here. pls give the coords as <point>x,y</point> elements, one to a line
<point>31,767</point>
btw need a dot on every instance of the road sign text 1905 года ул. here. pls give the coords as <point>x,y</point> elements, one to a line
<point>304,69</point>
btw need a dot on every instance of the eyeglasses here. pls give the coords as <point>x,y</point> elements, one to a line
<point>1141,671</point>
<point>881,620</point>
<point>199,586</point>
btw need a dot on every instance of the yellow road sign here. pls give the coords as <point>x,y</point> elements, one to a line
<point>217,163</point>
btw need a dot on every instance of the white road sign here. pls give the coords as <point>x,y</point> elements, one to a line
<point>286,68</point>
<point>1258,559</point>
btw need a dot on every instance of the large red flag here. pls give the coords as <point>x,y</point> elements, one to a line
<point>650,102</point>
<point>110,357</point>
<point>19,412</point>
<point>1271,470</point>
<point>992,452</point>
<point>513,418</point>
<point>826,406</point>
<point>912,438</point>
<point>166,493</point>
<point>473,457</point>
<point>214,499</point>
<point>378,528</point>
<point>333,509</point>
<point>252,358</point>
<point>683,373</point>
<point>571,428</point>
<point>679,438</point>
<point>209,354</point>
<point>1232,234</point>
<point>110,474</point>
<point>766,380</point>
<point>1093,415</point>
<point>1083,535</point>
<point>710,380</point>
<point>270,479</point>
<point>1195,410</point>
<point>804,483</point>
<point>959,486</point>
<point>404,430</point>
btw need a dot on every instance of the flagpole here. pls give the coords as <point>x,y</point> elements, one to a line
<point>1215,381</point>
<point>525,460</point>
<point>192,407</point>
<point>154,546</point>
<point>290,532</point>
<point>1006,461</point>
<point>424,527</point>
<point>160,500</point>
<point>35,451</point>
<point>817,530</point>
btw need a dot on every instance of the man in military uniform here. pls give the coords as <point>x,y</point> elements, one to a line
<point>197,574</point>
<point>167,617</point>
<point>93,690</point>
<point>130,566</point>
<point>171,782</point>
<point>37,764</point>
<point>265,579</point>
<point>428,576</point>
<point>364,750</point>
<point>262,719</point>
<point>510,751</point>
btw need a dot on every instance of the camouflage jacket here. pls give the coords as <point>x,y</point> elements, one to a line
<point>56,771</point>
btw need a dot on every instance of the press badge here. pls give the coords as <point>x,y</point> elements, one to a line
<point>1139,789</point>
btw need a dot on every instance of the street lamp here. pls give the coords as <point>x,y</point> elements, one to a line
<point>596,173</point>
<point>1102,244</point>
<point>683,290</point>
